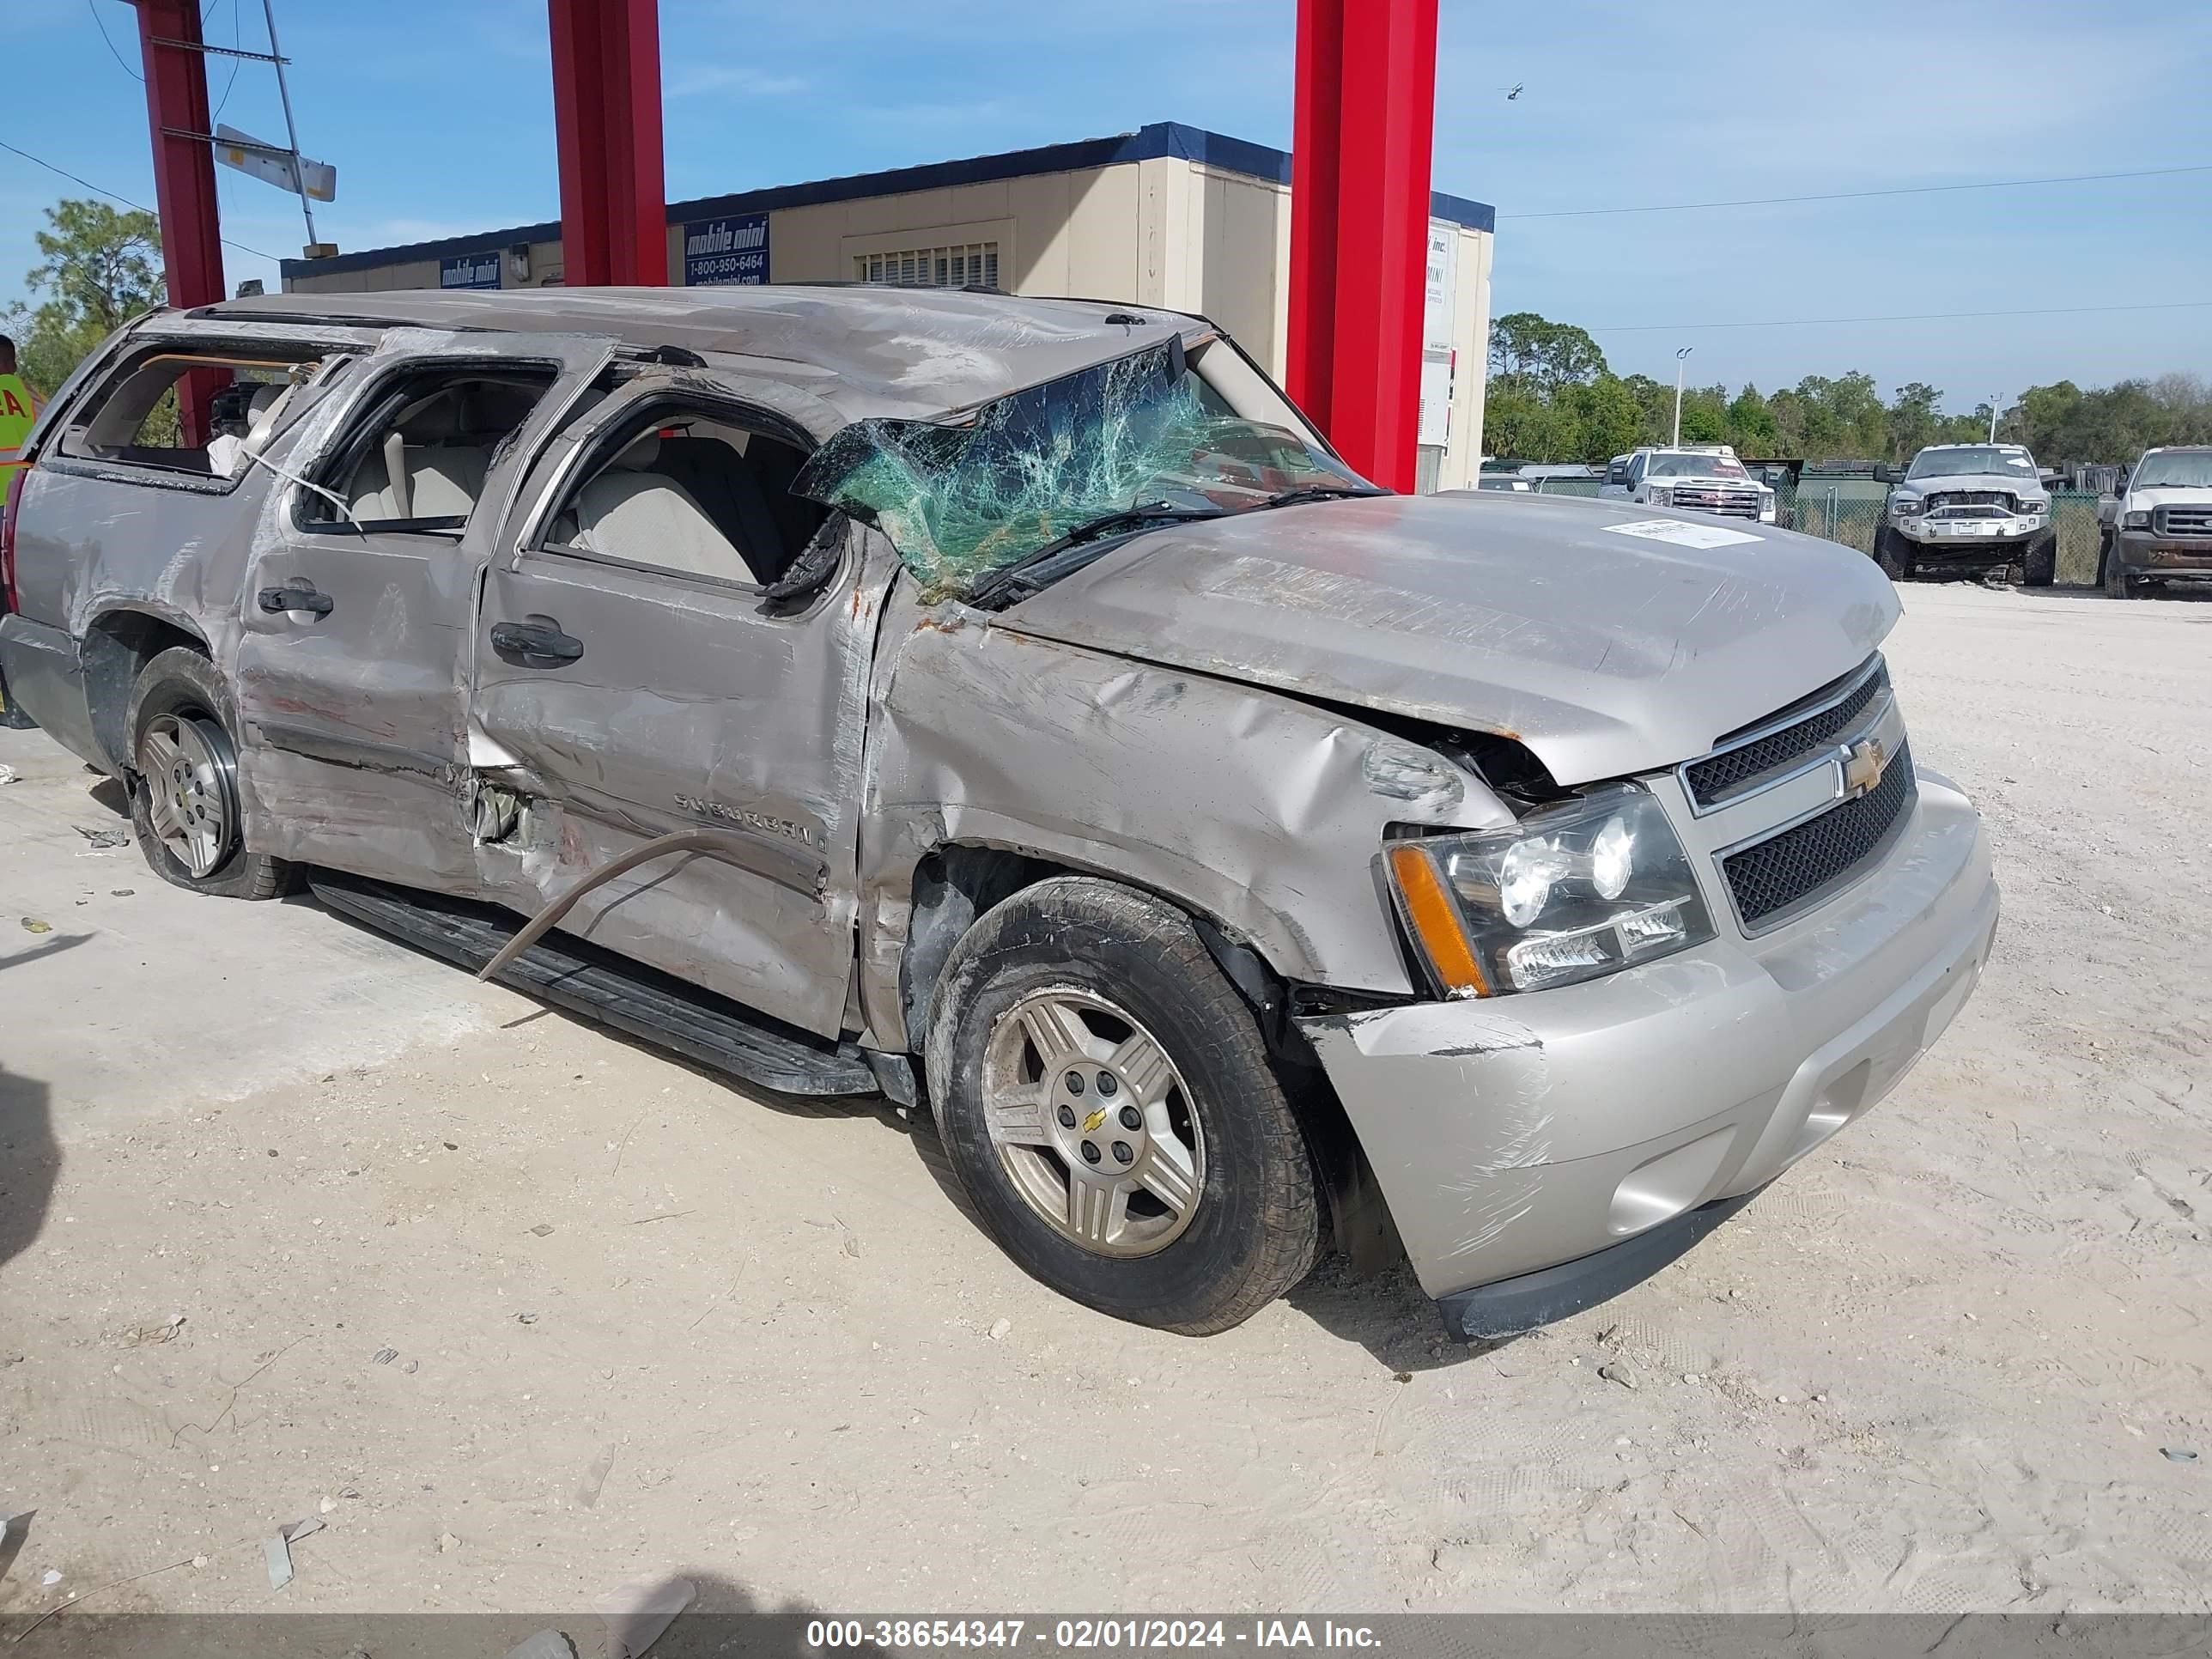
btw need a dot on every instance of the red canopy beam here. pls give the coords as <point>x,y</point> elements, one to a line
<point>184,179</point>
<point>606,117</point>
<point>1359,220</point>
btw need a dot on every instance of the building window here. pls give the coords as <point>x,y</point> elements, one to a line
<point>974,264</point>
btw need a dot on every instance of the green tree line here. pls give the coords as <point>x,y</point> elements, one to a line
<point>1552,397</point>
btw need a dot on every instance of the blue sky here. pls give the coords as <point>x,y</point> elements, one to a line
<point>439,118</point>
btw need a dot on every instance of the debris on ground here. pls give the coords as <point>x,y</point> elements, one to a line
<point>1000,1327</point>
<point>277,1548</point>
<point>7,774</point>
<point>447,1543</point>
<point>105,837</point>
<point>121,892</point>
<point>384,1356</point>
<point>33,925</point>
<point>526,1319</point>
<point>2175,1455</point>
<point>14,1529</point>
<point>595,1477</point>
<point>542,1229</point>
<point>166,1331</point>
<point>1618,1370</point>
<point>546,1645</point>
<point>636,1614</point>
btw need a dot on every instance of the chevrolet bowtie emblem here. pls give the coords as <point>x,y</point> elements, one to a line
<point>1090,1124</point>
<point>1863,765</point>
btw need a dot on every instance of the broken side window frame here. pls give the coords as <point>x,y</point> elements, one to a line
<point>646,403</point>
<point>376,406</point>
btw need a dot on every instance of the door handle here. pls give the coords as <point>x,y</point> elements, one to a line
<point>301,597</point>
<point>543,641</point>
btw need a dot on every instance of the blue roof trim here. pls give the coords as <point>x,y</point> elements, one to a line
<point>1161,138</point>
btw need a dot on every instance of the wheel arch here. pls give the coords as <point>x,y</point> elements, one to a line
<point>955,883</point>
<point>117,644</point>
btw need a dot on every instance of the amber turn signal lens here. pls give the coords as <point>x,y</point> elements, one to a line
<point>1434,922</point>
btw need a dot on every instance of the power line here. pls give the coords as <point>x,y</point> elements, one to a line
<point>236,63</point>
<point>1861,195</point>
<point>112,52</point>
<point>1906,317</point>
<point>112,196</point>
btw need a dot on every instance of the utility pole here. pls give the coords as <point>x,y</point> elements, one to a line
<point>1993,416</point>
<point>1680,358</point>
<point>291,132</point>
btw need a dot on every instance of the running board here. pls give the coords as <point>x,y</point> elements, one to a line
<point>610,989</point>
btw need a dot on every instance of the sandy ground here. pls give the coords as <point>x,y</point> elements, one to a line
<point>640,1323</point>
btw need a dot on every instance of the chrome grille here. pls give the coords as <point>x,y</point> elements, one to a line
<point>1717,498</point>
<point>1789,869</point>
<point>2182,520</point>
<point>1730,771</point>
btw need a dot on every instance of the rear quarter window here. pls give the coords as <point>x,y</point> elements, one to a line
<point>141,417</point>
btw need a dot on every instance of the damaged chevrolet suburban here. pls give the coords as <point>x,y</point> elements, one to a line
<point>1016,708</point>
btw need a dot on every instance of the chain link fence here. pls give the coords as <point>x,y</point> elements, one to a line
<point>1847,510</point>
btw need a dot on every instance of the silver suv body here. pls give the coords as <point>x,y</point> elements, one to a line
<point>1015,706</point>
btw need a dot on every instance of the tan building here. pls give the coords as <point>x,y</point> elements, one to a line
<point>1168,215</point>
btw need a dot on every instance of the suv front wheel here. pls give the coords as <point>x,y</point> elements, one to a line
<point>184,782</point>
<point>1107,1103</point>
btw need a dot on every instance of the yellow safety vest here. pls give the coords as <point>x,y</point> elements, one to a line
<point>17,409</point>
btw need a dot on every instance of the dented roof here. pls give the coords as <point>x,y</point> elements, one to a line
<point>862,351</point>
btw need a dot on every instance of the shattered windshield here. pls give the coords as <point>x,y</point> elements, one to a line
<point>1116,446</point>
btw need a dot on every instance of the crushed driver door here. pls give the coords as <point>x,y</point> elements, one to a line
<point>623,693</point>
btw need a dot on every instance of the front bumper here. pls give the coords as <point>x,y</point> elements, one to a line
<point>2146,553</point>
<point>1514,1135</point>
<point>1990,540</point>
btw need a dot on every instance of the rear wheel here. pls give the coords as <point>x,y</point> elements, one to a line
<point>2040,569</point>
<point>184,782</point>
<point>1107,1105</point>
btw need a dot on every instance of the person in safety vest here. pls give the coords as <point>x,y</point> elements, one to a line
<point>18,406</point>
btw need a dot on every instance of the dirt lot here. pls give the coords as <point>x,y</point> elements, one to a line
<point>640,1323</point>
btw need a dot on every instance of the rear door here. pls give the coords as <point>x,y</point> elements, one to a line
<point>358,597</point>
<point>647,684</point>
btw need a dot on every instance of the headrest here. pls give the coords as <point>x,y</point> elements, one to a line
<point>641,455</point>
<point>263,397</point>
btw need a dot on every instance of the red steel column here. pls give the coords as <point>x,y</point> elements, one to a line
<point>607,115</point>
<point>1359,219</point>
<point>183,180</point>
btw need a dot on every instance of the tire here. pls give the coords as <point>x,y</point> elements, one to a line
<point>2117,585</point>
<point>183,777</point>
<point>1889,553</point>
<point>1129,971</point>
<point>2039,567</point>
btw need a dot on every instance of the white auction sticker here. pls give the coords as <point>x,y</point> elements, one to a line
<point>1682,534</point>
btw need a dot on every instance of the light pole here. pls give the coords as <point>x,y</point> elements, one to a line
<point>1680,358</point>
<point>1993,416</point>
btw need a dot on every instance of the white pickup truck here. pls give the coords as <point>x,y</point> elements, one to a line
<point>1704,478</point>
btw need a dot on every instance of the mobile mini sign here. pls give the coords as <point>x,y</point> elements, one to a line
<point>470,271</point>
<point>733,249</point>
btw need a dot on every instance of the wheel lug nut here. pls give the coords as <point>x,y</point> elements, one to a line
<point>1122,1154</point>
<point>1075,1083</point>
<point>1107,1085</point>
<point>1068,1117</point>
<point>1130,1119</point>
<point>1090,1151</point>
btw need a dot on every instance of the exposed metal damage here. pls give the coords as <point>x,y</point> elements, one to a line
<point>869,689</point>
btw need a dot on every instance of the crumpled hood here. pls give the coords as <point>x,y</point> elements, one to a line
<point>1606,653</point>
<point>1955,484</point>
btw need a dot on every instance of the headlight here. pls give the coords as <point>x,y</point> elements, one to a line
<point>1905,505</point>
<point>2135,520</point>
<point>1767,506</point>
<point>1660,495</point>
<point>1569,893</point>
<point>2031,509</point>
